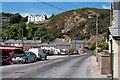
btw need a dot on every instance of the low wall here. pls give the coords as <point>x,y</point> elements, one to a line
<point>104,63</point>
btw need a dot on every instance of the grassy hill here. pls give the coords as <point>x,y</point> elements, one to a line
<point>73,24</point>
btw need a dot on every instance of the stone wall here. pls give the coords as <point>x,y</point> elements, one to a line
<point>104,63</point>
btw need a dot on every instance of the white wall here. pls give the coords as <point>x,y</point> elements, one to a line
<point>116,50</point>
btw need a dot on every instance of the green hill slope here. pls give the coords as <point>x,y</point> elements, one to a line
<point>74,24</point>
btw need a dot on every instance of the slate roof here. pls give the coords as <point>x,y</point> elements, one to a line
<point>37,15</point>
<point>48,45</point>
<point>54,44</point>
<point>115,31</point>
<point>77,41</point>
<point>25,41</point>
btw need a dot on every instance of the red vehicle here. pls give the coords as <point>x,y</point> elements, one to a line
<point>8,54</point>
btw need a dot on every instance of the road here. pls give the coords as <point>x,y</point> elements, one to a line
<point>67,67</point>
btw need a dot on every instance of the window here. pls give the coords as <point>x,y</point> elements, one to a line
<point>19,51</point>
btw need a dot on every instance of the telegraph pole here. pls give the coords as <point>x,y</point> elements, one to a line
<point>96,31</point>
<point>22,40</point>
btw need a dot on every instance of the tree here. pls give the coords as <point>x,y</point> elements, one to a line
<point>82,24</point>
<point>24,19</point>
<point>41,32</point>
<point>16,18</point>
<point>53,15</point>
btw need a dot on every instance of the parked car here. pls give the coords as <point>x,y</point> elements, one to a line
<point>39,53</point>
<point>76,52</point>
<point>5,57</point>
<point>8,54</point>
<point>48,52</point>
<point>25,57</point>
<point>70,53</point>
<point>30,57</point>
<point>64,52</point>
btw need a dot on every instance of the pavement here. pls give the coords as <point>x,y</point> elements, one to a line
<point>95,68</point>
<point>56,56</point>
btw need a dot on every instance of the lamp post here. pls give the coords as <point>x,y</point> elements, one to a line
<point>22,40</point>
<point>96,31</point>
<point>96,20</point>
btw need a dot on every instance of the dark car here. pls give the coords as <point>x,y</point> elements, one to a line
<point>76,52</point>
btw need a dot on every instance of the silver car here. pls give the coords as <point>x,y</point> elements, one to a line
<point>24,58</point>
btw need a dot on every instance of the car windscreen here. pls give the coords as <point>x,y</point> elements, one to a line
<point>19,52</point>
<point>5,53</point>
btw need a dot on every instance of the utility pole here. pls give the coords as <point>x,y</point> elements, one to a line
<point>22,40</point>
<point>96,31</point>
<point>75,44</point>
<point>111,56</point>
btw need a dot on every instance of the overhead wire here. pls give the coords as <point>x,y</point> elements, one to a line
<point>53,6</point>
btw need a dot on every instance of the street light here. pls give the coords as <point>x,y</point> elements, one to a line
<point>96,20</point>
<point>96,31</point>
<point>22,40</point>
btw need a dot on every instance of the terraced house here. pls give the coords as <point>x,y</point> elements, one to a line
<point>114,37</point>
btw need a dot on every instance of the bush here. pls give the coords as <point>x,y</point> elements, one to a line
<point>93,46</point>
<point>103,45</point>
<point>71,49</point>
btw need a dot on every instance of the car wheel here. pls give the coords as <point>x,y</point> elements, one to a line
<point>35,59</point>
<point>40,57</point>
<point>26,60</point>
<point>45,57</point>
<point>10,62</point>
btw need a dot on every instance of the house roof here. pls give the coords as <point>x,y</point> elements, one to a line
<point>37,15</point>
<point>54,44</point>
<point>77,41</point>
<point>48,45</point>
<point>63,44</point>
<point>115,31</point>
<point>25,41</point>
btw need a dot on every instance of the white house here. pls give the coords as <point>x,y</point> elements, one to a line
<point>114,38</point>
<point>36,18</point>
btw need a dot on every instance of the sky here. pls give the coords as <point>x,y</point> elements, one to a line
<point>26,8</point>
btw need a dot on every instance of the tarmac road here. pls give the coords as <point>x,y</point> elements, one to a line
<point>66,67</point>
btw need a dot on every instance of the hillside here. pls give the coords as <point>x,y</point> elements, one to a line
<point>74,24</point>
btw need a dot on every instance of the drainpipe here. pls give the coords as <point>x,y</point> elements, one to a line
<point>111,58</point>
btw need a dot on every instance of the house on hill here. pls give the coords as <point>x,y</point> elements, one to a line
<point>36,18</point>
<point>4,20</point>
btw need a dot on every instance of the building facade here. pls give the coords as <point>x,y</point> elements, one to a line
<point>36,18</point>
<point>4,20</point>
<point>23,43</point>
<point>114,38</point>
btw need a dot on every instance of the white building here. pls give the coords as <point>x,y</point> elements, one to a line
<point>114,38</point>
<point>36,18</point>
